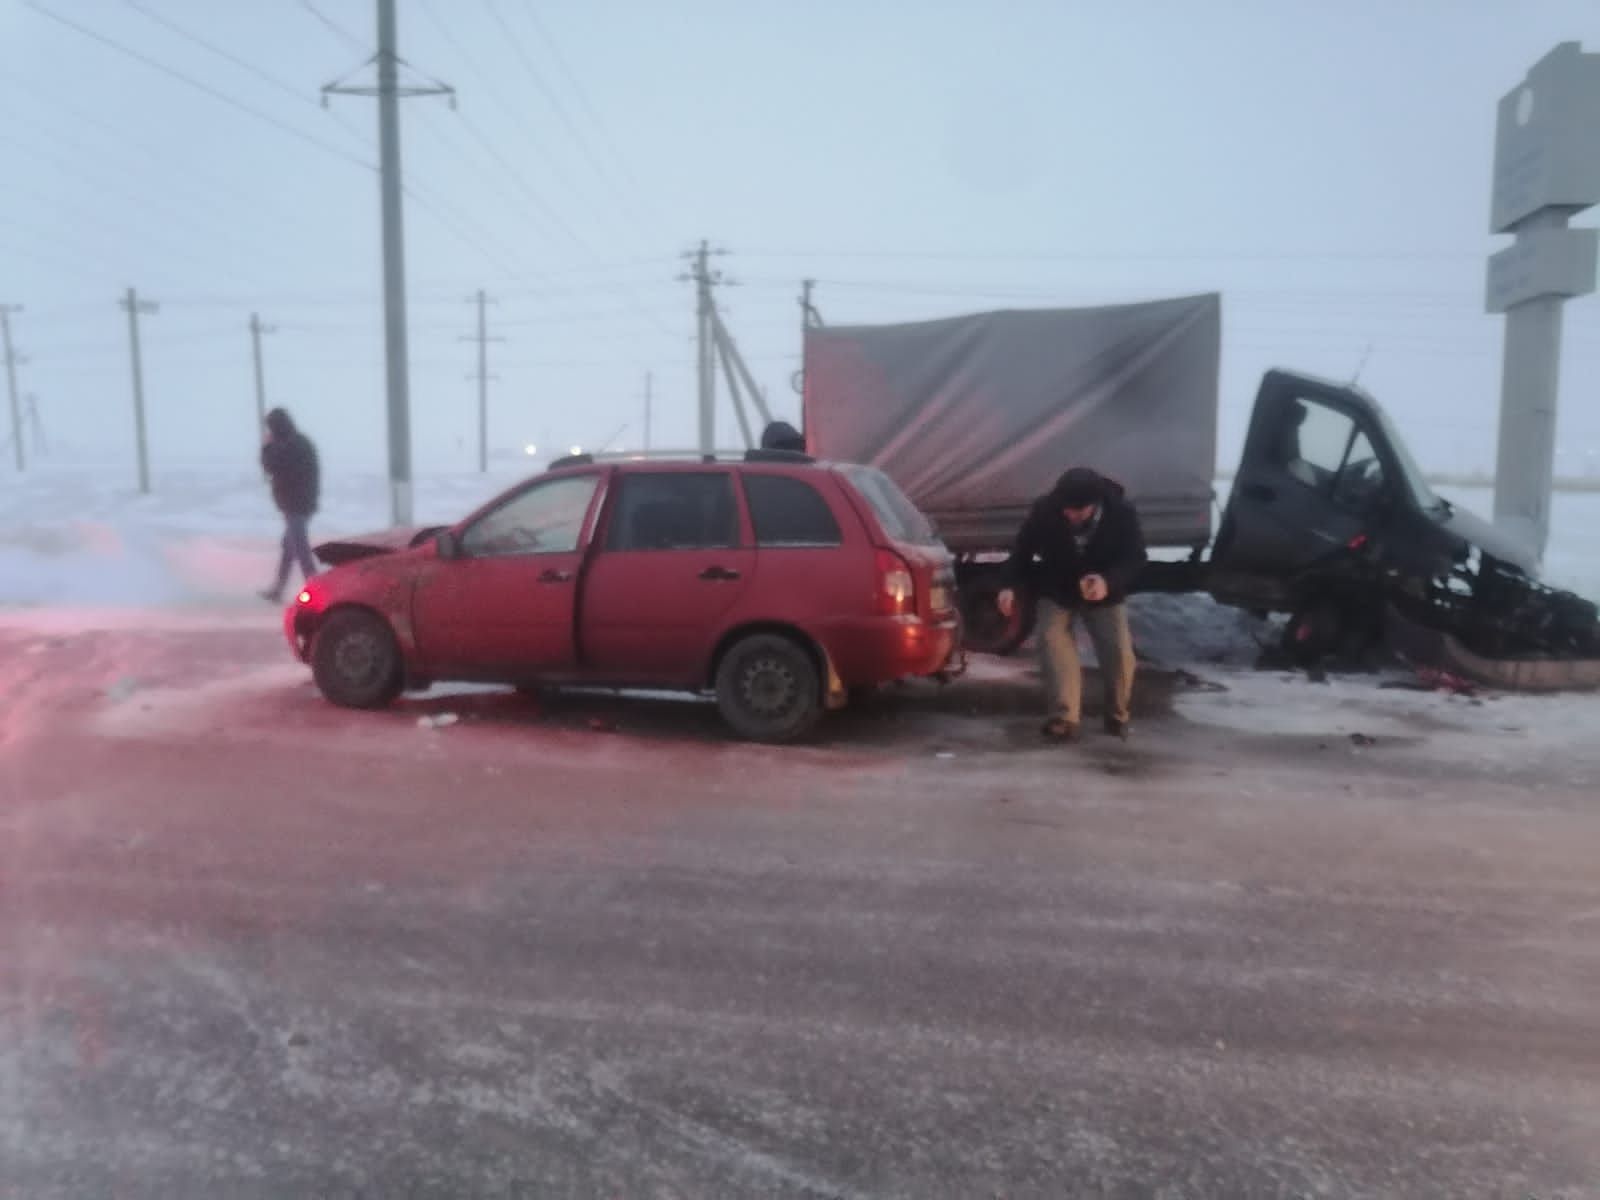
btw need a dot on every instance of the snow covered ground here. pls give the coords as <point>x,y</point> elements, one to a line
<point>79,548</point>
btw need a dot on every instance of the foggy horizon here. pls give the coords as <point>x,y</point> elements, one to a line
<point>1327,174</point>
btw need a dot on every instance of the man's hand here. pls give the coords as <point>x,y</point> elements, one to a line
<point>1094,588</point>
<point>1006,602</point>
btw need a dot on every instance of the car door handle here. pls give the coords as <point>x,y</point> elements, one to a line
<point>718,574</point>
<point>1259,491</point>
<point>554,576</point>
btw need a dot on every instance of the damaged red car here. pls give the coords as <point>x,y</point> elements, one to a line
<point>776,583</point>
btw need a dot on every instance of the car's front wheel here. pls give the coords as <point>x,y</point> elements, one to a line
<point>356,660</point>
<point>769,689</point>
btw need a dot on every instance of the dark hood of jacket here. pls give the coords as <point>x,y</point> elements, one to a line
<point>280,424</point>
<point>1081,487</point>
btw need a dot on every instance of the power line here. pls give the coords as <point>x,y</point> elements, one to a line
<point>543,33</point>
<point>582,142</point>
<point>530,193</point>
<point>154,64</point>
<point>143,150</point>
<point>334,27</point>
<point>1123,256</point>
<point>75,165</point>
<point>454,221</point>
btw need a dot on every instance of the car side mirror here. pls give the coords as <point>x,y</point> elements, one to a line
<point>448,545</point>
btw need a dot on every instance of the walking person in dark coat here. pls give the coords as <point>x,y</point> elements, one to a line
<point>1079,551</point>
<point>290,461</point>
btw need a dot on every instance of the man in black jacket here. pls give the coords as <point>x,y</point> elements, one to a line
<point>1079,552</point>
<point>290,461</point>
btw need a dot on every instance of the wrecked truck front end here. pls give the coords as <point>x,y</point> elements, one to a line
<point>1331,516</point>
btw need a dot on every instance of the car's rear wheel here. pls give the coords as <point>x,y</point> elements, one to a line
<point>769,689</point>
<point>356,660</point>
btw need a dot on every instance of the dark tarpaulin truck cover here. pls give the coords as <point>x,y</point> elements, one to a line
<point>976,416</point>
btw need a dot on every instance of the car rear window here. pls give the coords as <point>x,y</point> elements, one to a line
<point>789,512</point>
<point>900,518</point>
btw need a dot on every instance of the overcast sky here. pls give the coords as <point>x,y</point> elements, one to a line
<point>1325,166</point>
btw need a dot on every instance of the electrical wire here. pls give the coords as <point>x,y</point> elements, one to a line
<point>174,73</point>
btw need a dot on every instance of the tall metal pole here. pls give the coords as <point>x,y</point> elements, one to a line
<point>649,380</point>
<point>389,92</point>
<point>394,267</point>
<point>11,381</point>
<point>256,330</point>
<point>135,307</point>
<point>707,376</point>
<point>482,300</point>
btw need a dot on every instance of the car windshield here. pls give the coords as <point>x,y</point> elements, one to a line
<point>900,518</point>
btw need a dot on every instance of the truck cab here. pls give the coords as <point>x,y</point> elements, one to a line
<point>1331,520</point>
<point>1324,466</point>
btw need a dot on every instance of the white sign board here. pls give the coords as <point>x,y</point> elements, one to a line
<point>1544,142</point>
<point>1543,262</point>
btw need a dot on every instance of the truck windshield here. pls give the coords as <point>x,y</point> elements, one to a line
<point>1412,479</point>
<point>900,518</point>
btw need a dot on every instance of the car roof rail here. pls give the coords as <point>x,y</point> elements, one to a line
<point>778,456</point>
<point>573,460</point>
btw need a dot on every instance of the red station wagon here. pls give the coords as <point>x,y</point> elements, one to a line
<point>777,582</point>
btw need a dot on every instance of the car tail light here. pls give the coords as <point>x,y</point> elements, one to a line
<point>897,590</point>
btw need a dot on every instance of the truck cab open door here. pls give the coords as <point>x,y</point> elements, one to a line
<point>1318,472</point>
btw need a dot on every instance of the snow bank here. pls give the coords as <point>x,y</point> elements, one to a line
<point>72,537</point>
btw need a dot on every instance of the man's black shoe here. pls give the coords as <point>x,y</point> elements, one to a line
<point>1059,729</point>
<point>1118,729</point>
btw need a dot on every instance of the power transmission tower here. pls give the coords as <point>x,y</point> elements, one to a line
<point>389,92</point>
<point>482,376</point>
<point>134,306</point>
<point>256,330</point>
<point>12,359</point>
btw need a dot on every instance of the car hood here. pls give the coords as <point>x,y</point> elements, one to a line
<point>370,545</point>
<point>1493,541</point>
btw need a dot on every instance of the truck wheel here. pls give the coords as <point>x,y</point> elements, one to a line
<point>356,661</point>
<point>985,628</point>
<point>769,689</point>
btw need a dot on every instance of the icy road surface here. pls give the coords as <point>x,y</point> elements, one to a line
<point>1295,940</point>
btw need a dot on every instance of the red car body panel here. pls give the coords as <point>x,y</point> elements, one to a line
<point>644,616</point>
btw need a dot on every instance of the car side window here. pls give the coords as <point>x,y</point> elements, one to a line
<point>789,512</point>
<point>678,510</point>
<point>547,518</point>
<point>1312,442</point>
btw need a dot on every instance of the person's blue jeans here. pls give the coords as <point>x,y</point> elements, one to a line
<point>296,549</point>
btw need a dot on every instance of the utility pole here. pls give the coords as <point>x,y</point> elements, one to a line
<point>810,319</point>
<point>389,93</point>
<point>11,381</point>
<point>256,330</point>
<point>134,306</point>
<point>41,444</point>
<point>649,380</point>
<point>704,279</point>
<point>483,339</point>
